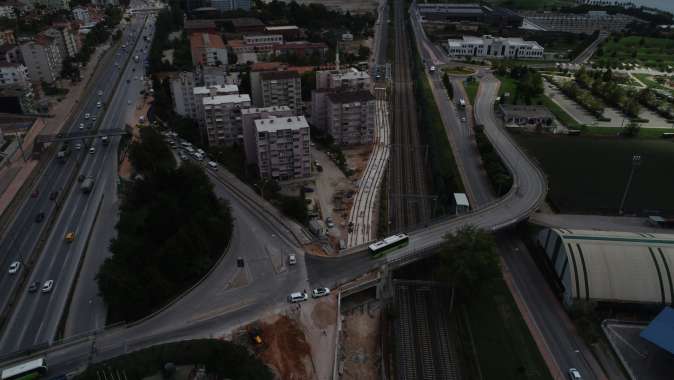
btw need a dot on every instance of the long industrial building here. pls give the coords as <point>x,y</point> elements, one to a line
<point>605,266</point>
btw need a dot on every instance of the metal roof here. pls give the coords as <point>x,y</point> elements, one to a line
<point>661,331</point>
<point>619,266</point>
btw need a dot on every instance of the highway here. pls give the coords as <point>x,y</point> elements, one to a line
<point>37,315</point>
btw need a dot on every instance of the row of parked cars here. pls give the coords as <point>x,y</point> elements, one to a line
<point>187,150</point>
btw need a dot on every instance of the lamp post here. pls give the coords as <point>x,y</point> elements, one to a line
<point>636,161</point>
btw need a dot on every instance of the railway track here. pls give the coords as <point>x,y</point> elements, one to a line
<point>407,187</point>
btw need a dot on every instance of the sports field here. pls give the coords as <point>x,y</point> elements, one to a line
<point>589,174</point>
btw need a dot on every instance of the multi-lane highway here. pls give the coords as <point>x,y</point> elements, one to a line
<point>36,315</point>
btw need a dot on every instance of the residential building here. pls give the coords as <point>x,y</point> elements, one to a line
<point>277,88</point>
<point>10,54</point>
<point>65,38</point>
<point>43,58</point>
<point>7,37</point>
<point>181,93</point>
<point>351,79</point>
<point>211,76</point>
<point>104,3</point>
<point>222,118</point>
<point>200,26</point>
<point>302,49</point>
<point>230,5</point>
<point>81,14</point>
<point>208,49</point>
<point>8,9</point>
<point>248,117</point>
<point>263,39</point>
<point>494,47</point>
<point>196,106</point>
<point>17,99</point>
<point>289,32</point>
<point>13,74</point>
<point>247,25</point>
<point>350,117</point>
<point>283,148</point>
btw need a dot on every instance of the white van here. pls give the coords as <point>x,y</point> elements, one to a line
<point>292,260</point>
<point>297,297</point>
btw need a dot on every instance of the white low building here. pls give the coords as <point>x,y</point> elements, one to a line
<point>494,47</point>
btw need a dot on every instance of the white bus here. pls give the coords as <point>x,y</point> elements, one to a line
<point>29,370</point>
<point>387,245</point>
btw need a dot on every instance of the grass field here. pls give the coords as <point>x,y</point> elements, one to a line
<point>471,90</point>
<point>652,52</point>
<point>505,349</point>
<point>508,85</point>
<point>588,174</point>
<point>651,83</point>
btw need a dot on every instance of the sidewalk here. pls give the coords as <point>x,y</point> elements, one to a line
<point>18,172</point>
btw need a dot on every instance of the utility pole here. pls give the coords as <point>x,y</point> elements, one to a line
<point>636,161</point>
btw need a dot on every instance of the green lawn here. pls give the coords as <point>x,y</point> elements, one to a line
<point>459,71</point>
<point>652,52</point>
<point>471,90</point>
<point>588,174</point>
<point>508,85</point>
<point>651,83</point>
<point>505,348</point>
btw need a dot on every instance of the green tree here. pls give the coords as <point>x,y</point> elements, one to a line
<point>308,84</point>
<point>468,259</point>
<point>151,155</point>
<point>631,130</point>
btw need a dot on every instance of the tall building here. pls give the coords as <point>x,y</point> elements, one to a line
<point>65,39</point>
<point>494,47</point>
<point>199,93</point>
<point>278,88</point>
<point>43,58</point>
<point>183,85</point>
<point>208,49</point>
<point>348,79</point>
<point>248,117</point>
<point>13,74</point>
<point>283,148</point>
<point>222,118</point>
<point>350,117</point>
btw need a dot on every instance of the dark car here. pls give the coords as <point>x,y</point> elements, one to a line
<point>35,193</point>
<point>53,195</point>
<point>39,217</point>
<point>80,178</point>
<point>34,286</point>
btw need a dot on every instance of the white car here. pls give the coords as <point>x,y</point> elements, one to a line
<point>87,115</point>
<point>213,165</point>
<point>100,92</point>
<point>81,126</point>
<point>574,374</point>
<point>320,292</point>
<point>14,267</point>
<point>47,286</point>
<point>297,297</point>
<point>99,104</point>
<point>92,150</point>
<point>292,260</point>
<point>93,118</point>
<point>77,146</point>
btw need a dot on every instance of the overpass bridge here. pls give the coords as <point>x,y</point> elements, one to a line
<point>42,140</point>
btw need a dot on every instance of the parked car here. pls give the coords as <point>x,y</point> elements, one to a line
<point>213,165</point>
<point>39,217</point>
<point>297,297</point>
<point>292,260</point>
<point>48,286</point>
<point>574,374</point>
<point>320,292</point>
<point>87,115</point>
<point>14,267</point>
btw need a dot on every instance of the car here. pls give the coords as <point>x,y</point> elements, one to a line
<point>128,102</point>
<point>92,150</point>
<point>320,292</point>
<point>81,126</point>
<point>128,81</point>
<point>87,115</point>
<point>574,374</point>
<point>35,193</point>
<point>292,260</point>
<point>80,178</point>
<point>53,195</point>
<point>99,104</point>
<point>77,146</point>
<point>70,236</point>
<point>39,217</point>
<point>47,286</point>
<point>100,92</point>
<point>33,286</point>
<point>463,119</point>
<point>93,118</point>
<point>14,267</point>
<point>213,165</point>
<point>297,297</point>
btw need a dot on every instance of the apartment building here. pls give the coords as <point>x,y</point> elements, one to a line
<point>350,117</point>
<point>351,79</point>
<point>208,49</point>
<point>81,14</point>
<point>43,58</point>
<point>278,88</point>
<point>230,5</point>
<point>65,38</point>
<point>248,117</point>
<point>222,118</point>
<point>263,39</point>
<point>494,47</point>
<point>10,54</point>
<point>199,93</point>
<point>7,37</point>
<point>283,148</point>
<point>13,74</point>
<point>182,87</point>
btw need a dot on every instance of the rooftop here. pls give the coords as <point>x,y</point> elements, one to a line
<point>274,124</point>
<point>278,75</point>
<point>256,110</point>
<point>226,99</point>
<point>206,40</point>
<point>661,330</point>
<point>226,89</point>
<point>281,28</point>
<point>350,96</point>
<point>246,22</point>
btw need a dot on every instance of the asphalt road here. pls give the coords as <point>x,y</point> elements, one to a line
<point>36,315</point>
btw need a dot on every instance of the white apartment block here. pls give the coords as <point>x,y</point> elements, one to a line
<point>181,92</point>
<point>196,105</point>
<point>248,117</point>
<point>13,73</point>
<point>43,58</point>
<point>7,11</point>
<point>222,118</point>
<point>350,117</point>
<point>280,88</point>
<point>352,79</point>
<point>81,14</point>
<point>263,39</point>
<point>65,40</point>
<point>283,148</point>
<point>494,47</point>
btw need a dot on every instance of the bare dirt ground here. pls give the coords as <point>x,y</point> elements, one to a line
<point>356,159</point>
<point>361,355</point>
<point>287,351</point>
<point>125,168</point>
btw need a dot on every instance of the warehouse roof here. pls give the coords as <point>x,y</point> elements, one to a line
<point>619,266</point>
<point>661,331</point>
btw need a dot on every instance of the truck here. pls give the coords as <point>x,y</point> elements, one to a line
<point>87,185</point>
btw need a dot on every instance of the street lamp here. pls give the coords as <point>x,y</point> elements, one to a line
<point>636,161</point>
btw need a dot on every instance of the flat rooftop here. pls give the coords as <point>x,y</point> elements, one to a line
<point>273,124</point>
